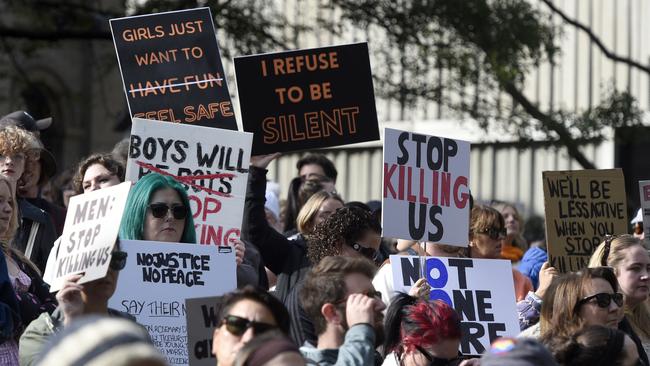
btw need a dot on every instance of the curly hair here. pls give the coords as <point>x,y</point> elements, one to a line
<point>345,226</point>
<point>14,140</point>
<point>104,159</point>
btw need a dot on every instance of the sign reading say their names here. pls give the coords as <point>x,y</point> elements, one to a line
<point>581,208</point>
<point>171,68</point>
<point>89,234</point>
<point>480,290</point>
<point>211,163</point>
<point>644,190</point>
<point>425,188</point>
<point>157,280</point>
<point>202,320</point>
<point>306,99</point>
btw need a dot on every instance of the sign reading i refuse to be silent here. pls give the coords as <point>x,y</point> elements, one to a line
<point>171,68</point>
<point>307,99</point>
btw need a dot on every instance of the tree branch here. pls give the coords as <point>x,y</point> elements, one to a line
<point>594,38</point>
<point>53,35</point>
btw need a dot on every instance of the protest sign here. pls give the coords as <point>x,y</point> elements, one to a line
<point>581,208</point>
<point>89,234</point>
<point>481,290</point>
<point>308,98</point>
<point>426,188</point>
<point>644,190</point>
<point>157,280</point>
<point>171,68</point>
<point>211,163</point>
<point>202,320</point>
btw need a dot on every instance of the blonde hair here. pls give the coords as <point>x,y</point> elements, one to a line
<point>612,251</point>
<point>305,219</point>
<point>518,240</point>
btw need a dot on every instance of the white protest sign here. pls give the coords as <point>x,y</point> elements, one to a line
<point>481,290</point>
<point>157,280</point>
<point>644,191</point>
<point>212,163</point>
<point>89,234</point>
<point>425,188</point>
<point>202,320</point>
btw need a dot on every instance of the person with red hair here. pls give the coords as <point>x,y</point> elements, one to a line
<point>420,332</point>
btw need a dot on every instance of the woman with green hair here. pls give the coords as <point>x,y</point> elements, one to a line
<point>158,209</point>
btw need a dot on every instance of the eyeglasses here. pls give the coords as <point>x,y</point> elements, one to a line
<point>603,299</point>
<point>237,326</point>
<point>494,233</point>
<point>437,361</point>
<point>159,210</point>
<point>369,253</point>
<point>118,260</point>
<point>370,293</point>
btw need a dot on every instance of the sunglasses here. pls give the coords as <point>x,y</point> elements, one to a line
<point>118,260</point>
<point>603,299</point>
<point>237,326</point>
<point>437,361</point>
<point>369,253</point>
<point>159,210</point>
<point>494,233</point>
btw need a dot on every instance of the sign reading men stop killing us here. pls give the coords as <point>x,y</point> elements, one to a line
<point>581,208</point>
<point>480,290</point>
<point>305,99</point>
<point>171,68</point>
<point>212,164</point>
<point>89,234</point>
<point>425,188</point>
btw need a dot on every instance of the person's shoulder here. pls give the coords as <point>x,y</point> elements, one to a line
<point>45,324</point>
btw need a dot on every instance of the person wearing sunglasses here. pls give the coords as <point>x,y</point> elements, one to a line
<point>246,313</point>
<point>629,258</point>
<point>487,231</point>
<point>75,301</point>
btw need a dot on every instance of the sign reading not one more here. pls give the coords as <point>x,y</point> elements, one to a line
<point>171,68</point>
<point>305,99</point>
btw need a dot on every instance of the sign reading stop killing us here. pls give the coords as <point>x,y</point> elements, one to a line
<point>211,163</point>
<point>480,290</point>
<point>425,188</point>
<point>89,234</point>
<point>171,68</point>
<point>581,208</point>
<point>306,99</point>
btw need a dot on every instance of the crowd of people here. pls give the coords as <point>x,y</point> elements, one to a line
<point>315,284</point>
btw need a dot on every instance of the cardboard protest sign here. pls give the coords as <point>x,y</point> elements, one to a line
<point>481,290</point>
<point>644,190</point>
<point>308,98</point>
<point>211,163</point>
<point>171,68</point>
<point>581,208</point>
<point>89,234</point>
<point>426,188</point>
<point>157,280</point>
<point>202,319</point>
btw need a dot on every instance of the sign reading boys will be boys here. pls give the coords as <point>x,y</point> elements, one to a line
<point>480,290</point>
<point>157,280</point>
<point>211,163</point>
<point>171,68</point>
<point>425,188</point>
<point>89,234</point>
<point>307,99</point>
<point>581,208</point>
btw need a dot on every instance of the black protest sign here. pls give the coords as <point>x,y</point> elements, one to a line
<point>307,99</point>
<point>202,319</point>
<point>171,68</point>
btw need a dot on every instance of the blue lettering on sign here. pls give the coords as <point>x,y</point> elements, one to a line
<point>437,284</point>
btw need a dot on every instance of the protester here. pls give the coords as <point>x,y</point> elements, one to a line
<point>271,349</point>
<point>30,293</point>
<point>36,232</point>
<point>596,346</point>
<point>514,245</point>
<point>75,301</point>
<point>10,323</point>
<point>317,209</point>
<point>96,172</point>
<point>246,313</point>
<point>629,258</point>
<point>517,352</point>
<point>62,188</point>
<point>101,341</point>
<point>346,311</point>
